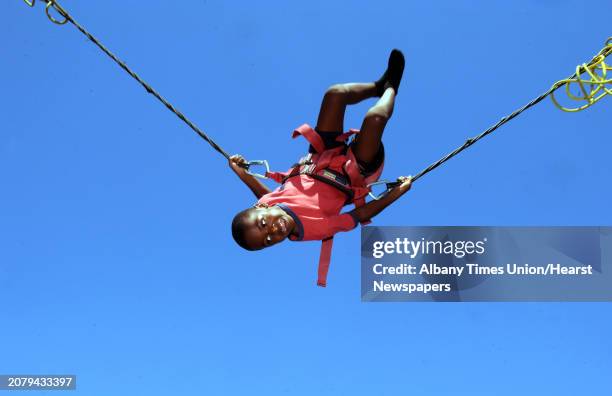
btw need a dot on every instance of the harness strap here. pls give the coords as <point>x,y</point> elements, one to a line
<point>311,135</point>
<point>324,260</point>
<point>277,176</point>
<point>316,166</point>
<point>304,166</point>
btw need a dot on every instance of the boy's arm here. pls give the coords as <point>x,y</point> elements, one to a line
<point>257,187</point>
<point>372,208</point>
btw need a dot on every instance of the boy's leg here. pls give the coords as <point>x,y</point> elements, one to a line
<point>367,144</point>
<point>335,100</point>
<point>367,147</point>
<point>337,97</point>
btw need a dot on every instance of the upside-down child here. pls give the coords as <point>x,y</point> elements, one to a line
<point>308,204</point>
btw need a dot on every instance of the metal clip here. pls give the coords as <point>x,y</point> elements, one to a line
<point>55,6</point>
<point>388,186</point>
<point>264,163</point>
<point>58,9</point>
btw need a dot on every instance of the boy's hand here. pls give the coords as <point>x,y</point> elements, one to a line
<point>237,163</point>
<point>405,184</point>
<point>374,207</point>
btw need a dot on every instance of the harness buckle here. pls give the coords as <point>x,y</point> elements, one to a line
<point>306,160</point>
<point>263,163</point>
<point>307,169</point>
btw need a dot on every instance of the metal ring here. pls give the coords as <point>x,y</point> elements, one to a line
<point>389,184</point>
<point>376,183</point>
<point>59,10</point>
<point>258,162</point>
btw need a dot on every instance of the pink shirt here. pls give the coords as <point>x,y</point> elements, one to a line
<point>314,206</point>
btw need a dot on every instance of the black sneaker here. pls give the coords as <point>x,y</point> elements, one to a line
<point>393,75</point>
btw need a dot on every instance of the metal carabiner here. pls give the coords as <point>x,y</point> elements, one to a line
<point>249,164</point>
<point>58,9</point>
<point>388,186</point>
<point>30,3</point>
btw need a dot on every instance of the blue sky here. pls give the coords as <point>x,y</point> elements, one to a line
<point>116,260</point>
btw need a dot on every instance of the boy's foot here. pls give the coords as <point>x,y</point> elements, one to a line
<point>393,75</point>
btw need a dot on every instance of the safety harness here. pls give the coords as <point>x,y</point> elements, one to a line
<point>320,165</point>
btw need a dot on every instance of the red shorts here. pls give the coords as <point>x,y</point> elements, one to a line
<point>366,168</point>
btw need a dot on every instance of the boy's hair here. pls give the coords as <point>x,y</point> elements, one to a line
<point>239,227</point>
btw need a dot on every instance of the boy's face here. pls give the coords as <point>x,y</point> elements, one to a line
<point>267,226</point>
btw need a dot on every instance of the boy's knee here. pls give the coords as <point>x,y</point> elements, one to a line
<point>378,114</point>
<point>336,91</point>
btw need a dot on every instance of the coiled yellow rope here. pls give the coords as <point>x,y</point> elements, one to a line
<point>591,80</point>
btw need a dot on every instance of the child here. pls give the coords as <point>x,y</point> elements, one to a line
<point>307,205</point>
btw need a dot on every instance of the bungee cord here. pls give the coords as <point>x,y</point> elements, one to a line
<point>597,89</point>
<point>596,83</point>
<point>589,77</point>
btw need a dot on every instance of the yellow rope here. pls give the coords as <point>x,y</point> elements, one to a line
<point>590,79</point>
